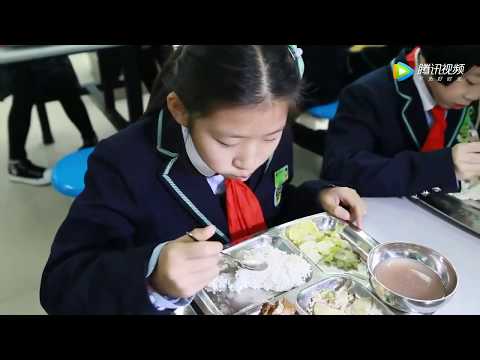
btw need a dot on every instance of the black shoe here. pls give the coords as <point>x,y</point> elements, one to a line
<point>23,171</point>
<point>88,143</point>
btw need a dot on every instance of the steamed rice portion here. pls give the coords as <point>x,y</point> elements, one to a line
<point>285,271</point>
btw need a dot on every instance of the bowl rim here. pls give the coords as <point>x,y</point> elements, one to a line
<point>372,275</point>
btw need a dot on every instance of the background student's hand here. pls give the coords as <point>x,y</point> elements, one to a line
<point>185,266</point>
<point>466,159</point>
<point>344,203</point>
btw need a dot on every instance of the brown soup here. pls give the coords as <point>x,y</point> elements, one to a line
<point>410,278</point>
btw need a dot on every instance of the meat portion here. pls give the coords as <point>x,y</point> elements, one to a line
<point>281,307</point>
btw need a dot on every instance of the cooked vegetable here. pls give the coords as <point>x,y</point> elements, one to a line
<point>323,246</point>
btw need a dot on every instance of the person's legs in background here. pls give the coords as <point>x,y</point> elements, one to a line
<point>150,59</point>
<point>20,169</point>
<point>61,83</point>
<point>148,68</point>
<point>77,112</point>
<point>162,53</point>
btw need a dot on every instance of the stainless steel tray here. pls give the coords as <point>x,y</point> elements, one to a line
<point>462,213</point>
<point>248,301</point>
<point>331,283</point>
<point>185,310</point>
<point>359,240</point>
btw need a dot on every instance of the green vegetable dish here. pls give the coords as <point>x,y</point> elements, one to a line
<point>325,247</point>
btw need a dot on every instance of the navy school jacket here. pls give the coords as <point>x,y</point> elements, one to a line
<point>373,143</point>
<point>141,190</point>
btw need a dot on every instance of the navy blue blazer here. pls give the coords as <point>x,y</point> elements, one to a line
<point>373,144</point>
<point>141,190</point>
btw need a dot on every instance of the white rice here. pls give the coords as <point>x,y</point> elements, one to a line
<point>285,271</point>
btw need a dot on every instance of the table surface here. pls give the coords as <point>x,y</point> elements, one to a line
<point>394,219</point>
<point>21,53</point>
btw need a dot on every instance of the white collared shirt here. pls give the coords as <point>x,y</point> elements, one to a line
<point>426,97</point>
<point>216,182</point>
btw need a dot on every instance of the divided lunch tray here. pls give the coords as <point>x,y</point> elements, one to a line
<point>250,301</point>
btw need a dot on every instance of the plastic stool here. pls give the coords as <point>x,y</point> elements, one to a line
<point>68,174</point>
<point>326,111</point>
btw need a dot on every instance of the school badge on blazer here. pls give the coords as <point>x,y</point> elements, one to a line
<point>280,178</point>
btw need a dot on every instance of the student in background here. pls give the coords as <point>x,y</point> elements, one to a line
<point>400,137</point>
<point>150,57</point>
<point>39,81</point>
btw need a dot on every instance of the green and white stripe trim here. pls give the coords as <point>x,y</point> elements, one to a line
<point>187,201</point>
<point>159,137</point>
<point>174,186</point>
<point>404,117</point>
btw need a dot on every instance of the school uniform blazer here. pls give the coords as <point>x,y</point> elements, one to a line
<point>373,143</point>
<point>141,190</point>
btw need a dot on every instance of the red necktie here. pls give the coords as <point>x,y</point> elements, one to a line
<point>244,213</point>
<point>436,136</point>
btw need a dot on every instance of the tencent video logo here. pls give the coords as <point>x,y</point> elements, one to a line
<point>402,71</point>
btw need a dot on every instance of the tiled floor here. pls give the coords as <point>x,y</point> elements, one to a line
<point>30,216</point>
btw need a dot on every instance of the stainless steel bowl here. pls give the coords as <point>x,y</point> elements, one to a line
<point>432,259</point>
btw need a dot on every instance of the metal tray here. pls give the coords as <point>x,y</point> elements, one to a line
<point>358,239</point>
<point>334,282</point>
<point>248,301</point>
<point>185,310</point>
<point>462,213</point>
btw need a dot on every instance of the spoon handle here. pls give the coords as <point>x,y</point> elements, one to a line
<point>229,256</point>
<point>190,235</point>
<point>236,261</point>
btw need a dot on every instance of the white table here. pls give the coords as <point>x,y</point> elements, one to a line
<point>21,53</point>
<point>393,219</point>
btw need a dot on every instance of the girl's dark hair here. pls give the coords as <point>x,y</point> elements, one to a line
<point>208,77</point>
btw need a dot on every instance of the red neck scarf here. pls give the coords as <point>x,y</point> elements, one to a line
<point>436,136</point>
<point>244,213</point>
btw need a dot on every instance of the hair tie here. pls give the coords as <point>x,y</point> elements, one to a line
<point>297,53</point>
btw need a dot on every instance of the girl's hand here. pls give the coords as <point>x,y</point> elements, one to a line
<point>185,266</point>
<point>466,159</point>
<point>344,203</point>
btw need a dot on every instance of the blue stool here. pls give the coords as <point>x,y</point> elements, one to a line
<point>310,133</point>
<point>69,172</point>
<point>327,111</point>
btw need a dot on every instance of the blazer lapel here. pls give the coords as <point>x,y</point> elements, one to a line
<point>412,112</point>
<point>194,193</point>
<point>189,187</point>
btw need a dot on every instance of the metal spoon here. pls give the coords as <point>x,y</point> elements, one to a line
<point>247,265</point>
